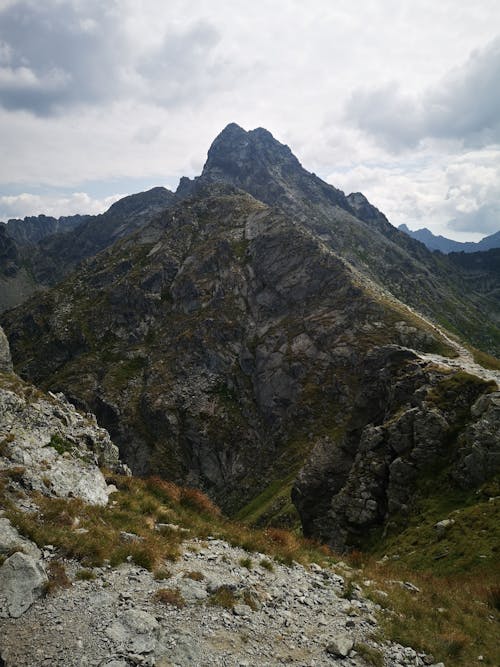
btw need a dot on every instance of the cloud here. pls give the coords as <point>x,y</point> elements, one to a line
<point>458,195</point>
<point>56,54</point>
<point>464,105</point>
<point>485,219</point>
<point>26,204</point>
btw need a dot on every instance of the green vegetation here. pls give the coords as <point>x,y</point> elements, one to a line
<point>223,597</point>
<point>60,444</point>
<point>370,654</point>
<point>246,562</point>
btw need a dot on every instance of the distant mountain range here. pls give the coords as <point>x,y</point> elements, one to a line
<point>445,245</point>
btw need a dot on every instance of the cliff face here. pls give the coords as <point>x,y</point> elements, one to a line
<point>239,337</point>
<point>216,344</point>
<point>415,431</point>
<point>257,163</point>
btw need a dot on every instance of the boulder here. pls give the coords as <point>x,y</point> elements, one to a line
<point>22,580</point>
<point>11,541</point>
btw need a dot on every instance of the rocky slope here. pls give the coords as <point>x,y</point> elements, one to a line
<point>220,330</point>
<point>148,576</point>
<point>255,162</point>
<point>33,229</point>
<point>291,615</point>
<point>240,337</point>
<point>38,252</point>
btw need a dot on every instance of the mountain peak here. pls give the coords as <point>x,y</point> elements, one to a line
<point>236,151</point>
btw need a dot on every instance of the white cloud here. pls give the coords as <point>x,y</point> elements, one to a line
<point>464,106</point>
<point>26,204</point>
<point>457,196</point>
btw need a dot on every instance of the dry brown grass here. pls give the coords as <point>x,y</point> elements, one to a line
<point>194,575</point>
<point>58,578</point>
<point>170,596</point>
<point>452,617</point>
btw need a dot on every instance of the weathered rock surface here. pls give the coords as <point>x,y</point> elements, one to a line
<point>217,332</point>
<point>53,448</point>
<point>298,616</point>
<point>5,358</point>
<point>22,580</point>
<point>11,541</point>
<point>405,423</point>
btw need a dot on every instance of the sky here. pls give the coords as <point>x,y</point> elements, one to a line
<point>398,99</point>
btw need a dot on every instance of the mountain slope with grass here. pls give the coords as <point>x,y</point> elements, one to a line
<point>152,573</point>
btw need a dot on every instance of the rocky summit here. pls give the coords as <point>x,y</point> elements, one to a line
<point>261,343</point>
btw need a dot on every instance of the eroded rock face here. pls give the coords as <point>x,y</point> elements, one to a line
<point>54,448</point>
<point>5,358</point>
<point>409,419</point>
<point>22,580</point>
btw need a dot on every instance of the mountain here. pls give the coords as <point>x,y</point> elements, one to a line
<point>245,341</point>
<point>142,571</point>
<point>249,337</point>
<point>257,163</point>
<point>33,229</point>
<point>38,252</point>
<point>446,246</point>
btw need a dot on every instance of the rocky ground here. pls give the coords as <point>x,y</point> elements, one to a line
<point>279,616</point>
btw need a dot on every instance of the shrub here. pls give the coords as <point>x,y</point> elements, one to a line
<point>162,574</point>
<point>170,596</point>
<point>223,597</point>
<point>267,565</point>
<point>246,562</point>
<point>370,654</point>
<point>197,500</point>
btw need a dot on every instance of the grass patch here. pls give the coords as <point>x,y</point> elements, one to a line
<point>246,562</point>
<point>370,654</point>
<point>224,597</point>
<point>58,578</point>
<point>59,444</point>
<point>194,575</point>
<point>485,360</point>
<point>162,574</point>
<point>170,596</point>
<point>266,564</point>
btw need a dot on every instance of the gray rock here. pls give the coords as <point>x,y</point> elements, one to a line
<point>10,541</point>
<point>5,358</point>
<point>22,580</point>
<point>340,646</point>
<point>242,610</point>
<point>442,527</point>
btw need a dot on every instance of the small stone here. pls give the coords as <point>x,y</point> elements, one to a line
<point>242,610</point>
<point>340,646</point>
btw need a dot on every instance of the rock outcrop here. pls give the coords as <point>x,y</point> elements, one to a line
<point>415,422</point>
<point>5,358</point>
<point>46,433</point>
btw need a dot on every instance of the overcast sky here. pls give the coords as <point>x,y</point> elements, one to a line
<point>398,99</point>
